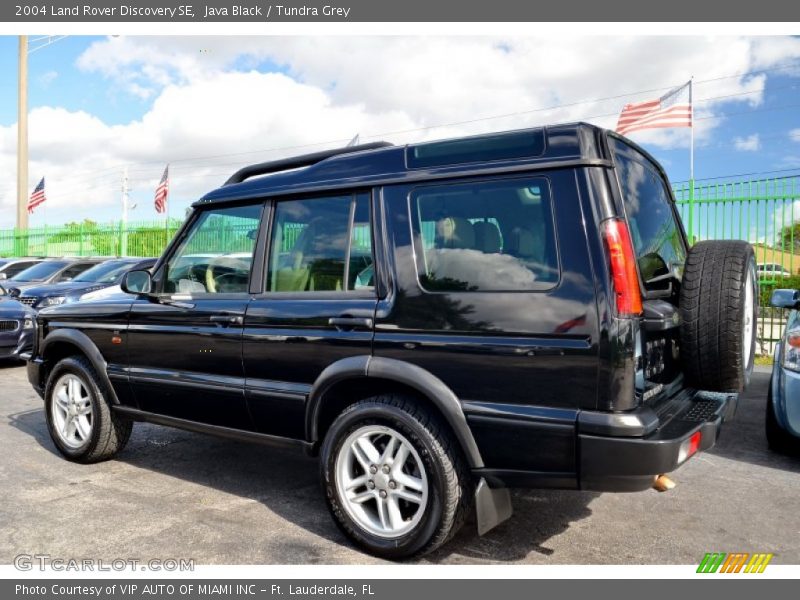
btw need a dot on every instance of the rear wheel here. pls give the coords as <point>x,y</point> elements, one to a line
<point>79,417</point>
<point>394,477</point>
<point>719,308</point>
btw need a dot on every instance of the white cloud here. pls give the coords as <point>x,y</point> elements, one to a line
<point>794,135</point>
<point>242,96</point>
<point>47,78</point>
<point>751,143</point>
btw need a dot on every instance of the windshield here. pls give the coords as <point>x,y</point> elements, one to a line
<point>107,272</point>
<point>40,271</point>
<point>655,232</point>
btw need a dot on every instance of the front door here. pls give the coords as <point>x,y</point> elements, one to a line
<point>185,342</point>
<point>317,305</point>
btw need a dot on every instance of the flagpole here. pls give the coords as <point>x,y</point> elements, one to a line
<point>691,163</point>
<point>166,214</point>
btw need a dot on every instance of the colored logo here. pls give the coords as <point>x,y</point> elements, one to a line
<point>736,562</point>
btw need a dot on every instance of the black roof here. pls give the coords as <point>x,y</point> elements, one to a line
<point>382,163</point>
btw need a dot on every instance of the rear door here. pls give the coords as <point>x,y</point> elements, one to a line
<point>661,250</point>
<point>316,306</point>
<point>185,344</point>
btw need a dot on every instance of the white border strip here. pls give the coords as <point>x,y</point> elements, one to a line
<point>552,30</point>
<point>376,572</point>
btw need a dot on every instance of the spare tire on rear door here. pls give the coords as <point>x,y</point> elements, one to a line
<point>718,306</point>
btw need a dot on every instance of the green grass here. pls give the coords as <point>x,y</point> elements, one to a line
<point>765,360</point>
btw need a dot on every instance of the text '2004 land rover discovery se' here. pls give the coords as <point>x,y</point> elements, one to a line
<point>439,322</point>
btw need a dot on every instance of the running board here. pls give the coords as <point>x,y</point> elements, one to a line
<point>492,506</point>
<point>227,432</point>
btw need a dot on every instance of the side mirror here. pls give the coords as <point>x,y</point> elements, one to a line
<point>785,298</point>
<point>3,276</point>
<point>136,282</point>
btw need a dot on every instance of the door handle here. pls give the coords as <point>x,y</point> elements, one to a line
<point>226,319</point>
<point>350,322</point>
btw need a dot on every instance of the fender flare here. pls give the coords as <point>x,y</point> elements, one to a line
<point>413,376</point>
<point>83,343</point>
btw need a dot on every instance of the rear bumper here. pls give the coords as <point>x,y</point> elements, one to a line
<point>619,463</point>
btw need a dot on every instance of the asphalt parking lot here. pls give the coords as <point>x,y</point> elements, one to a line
<point>173,494</point>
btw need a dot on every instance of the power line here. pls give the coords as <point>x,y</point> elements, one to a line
<point>480,119</point>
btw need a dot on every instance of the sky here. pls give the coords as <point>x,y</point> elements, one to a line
<point>209,105</point>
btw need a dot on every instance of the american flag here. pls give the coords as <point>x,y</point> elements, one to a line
<point>673,109</point>
<point>37,197</point>
<point>162,191</point>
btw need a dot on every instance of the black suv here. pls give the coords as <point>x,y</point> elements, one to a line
<point>439,322</point>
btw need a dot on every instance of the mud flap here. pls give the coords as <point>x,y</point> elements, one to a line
<point>492,506</point>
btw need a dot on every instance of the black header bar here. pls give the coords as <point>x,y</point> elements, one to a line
<point>342,11</point>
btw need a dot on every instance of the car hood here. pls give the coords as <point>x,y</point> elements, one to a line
<point>66,288</point>
<point>11,309</point>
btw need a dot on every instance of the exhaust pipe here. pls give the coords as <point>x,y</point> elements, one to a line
<point>662,483</point>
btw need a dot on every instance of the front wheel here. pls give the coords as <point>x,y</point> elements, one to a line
<point>79,416</point>
<point>394,477</point>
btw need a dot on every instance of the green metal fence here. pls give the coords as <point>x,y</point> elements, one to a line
<point>89,239</point>
<point>765,212</point>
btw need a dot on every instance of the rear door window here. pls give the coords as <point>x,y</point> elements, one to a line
<point>322,245</point>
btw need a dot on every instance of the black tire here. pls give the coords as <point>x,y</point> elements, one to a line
<point>109,431</point>
<point>712,307</point>
<point>778,438</point>
<point>449,481</point>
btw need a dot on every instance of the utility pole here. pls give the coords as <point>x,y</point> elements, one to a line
<point>22,139</point>
<point>124,233</point>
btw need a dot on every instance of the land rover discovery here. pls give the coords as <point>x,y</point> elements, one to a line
<point>438,322</point>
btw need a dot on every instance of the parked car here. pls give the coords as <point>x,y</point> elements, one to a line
<point>438,322</point>
<point>102,275</point>
<point>51,270</point>
<point>11,266</point>
<point>16,327</point>
<point>772,270</point>
<point>783,399</point>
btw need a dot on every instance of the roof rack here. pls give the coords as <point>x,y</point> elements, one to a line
<point>296,162</point>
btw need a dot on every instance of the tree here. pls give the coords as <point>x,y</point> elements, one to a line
<point>790,237</point>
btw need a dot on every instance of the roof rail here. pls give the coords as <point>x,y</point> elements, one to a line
<point>296,162</point>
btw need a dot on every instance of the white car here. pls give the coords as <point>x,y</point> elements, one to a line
<point>767,270</point>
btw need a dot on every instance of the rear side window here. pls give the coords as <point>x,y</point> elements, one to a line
<point>485,237</point>
<point>655,233</point>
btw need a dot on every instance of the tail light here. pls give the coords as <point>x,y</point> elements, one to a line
<point>623,268</point>
<point>689,446</point>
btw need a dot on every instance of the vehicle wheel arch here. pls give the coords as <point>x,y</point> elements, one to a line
<point>352,379</point>
<point>63,343</point>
